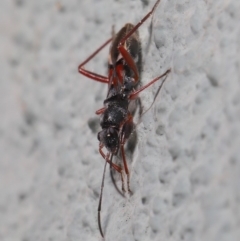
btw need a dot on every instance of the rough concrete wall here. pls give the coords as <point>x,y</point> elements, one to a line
<point>185,174</point>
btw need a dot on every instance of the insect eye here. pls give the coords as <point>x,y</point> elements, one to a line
<point>100,136</point>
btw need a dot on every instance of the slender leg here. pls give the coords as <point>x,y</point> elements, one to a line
<point>90,74</point>
<point>125,167</point>
<point>126,55</point>
<point>114,182</point>
<point>139,24</point>
<point>129,60</point>
<point>156,95</point>
<point>125,133</point>
<point>135,93</point>
<point>116,167</point>
<point>100,111</point>
<point>112,165</point>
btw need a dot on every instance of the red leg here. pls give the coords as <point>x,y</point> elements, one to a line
<point>116,167</point>
<point>128,58</point>
<point>135,93</point>
<point>130,62</point>
<point>90,74</point>
<point>100,111</point>
<point>125,133</point>
<point>115,184</point>
<point>155,97</point>
<point>125,166</point>
<point>139,24</point>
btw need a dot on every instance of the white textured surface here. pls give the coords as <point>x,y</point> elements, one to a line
<point>186,172</point>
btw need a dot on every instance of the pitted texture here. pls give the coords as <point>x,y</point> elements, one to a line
<point>185,173</point>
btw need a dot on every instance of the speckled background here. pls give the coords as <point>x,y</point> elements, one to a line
<point>185,173</point>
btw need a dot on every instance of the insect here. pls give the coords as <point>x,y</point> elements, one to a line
<point>124,74</point>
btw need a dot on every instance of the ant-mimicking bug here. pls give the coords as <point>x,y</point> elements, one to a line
<point>124,70</point>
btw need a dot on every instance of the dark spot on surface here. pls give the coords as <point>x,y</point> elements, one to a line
<point>162,181</point>
<point>174,151</point>
<point>201,175</point>
<point>34,146</point>
<point>14,62</point>
<point>165,201</point>
<point>161,110</point>
<point>213,80</point>
<point>144,200</point>
<point>19,3</point>
<point>30,118</point>
<point>160,130</point>
<point>58,126</point>
<point>61,171</point>
<point>180,7</point>
<point>220,24</point>
<point>60,7</point>
<point>98,21</point>
<point>73,114</point>
<point>154,230</point>
<point>233,161</point>
<point>86,161</point>
<point>165,176</point>
<point>93,124</point>
<point>95,194</point>
<point>159,40</point>
<point>60,227</point>
<point>22,41</point>
<point>71,197</point>
<point>132,142</point>
<point>178,198</point>
<point>23,131</point>
<point>35,74</point>
<point>145,3</point>
<point>22,196</point>
<point>187,234</point>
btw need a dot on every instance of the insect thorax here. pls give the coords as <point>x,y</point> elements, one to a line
<point>115,113</point>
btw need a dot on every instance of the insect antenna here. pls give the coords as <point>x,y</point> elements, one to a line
<point>100,199</point>
<point>155,97</point>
